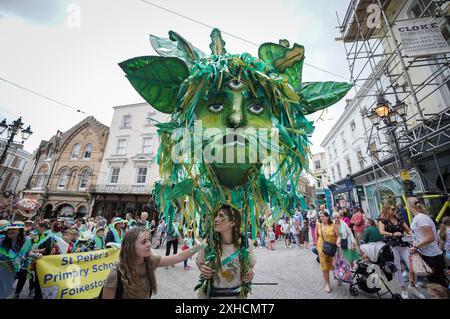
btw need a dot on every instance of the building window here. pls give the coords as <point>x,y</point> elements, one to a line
<point>50,153</point>
<point>338,166</point>
<point>319,181</point>
<point>374,151</point>
<point>19,163</point>
<point>423,8</point>
<point>353,126</point>
<point>84,180</point>
<point>360,159</point>
<point>8,160</point>
<point>114,178</point>
<point>87,151</point>
<point>63,177</point>
<point>317,165</point>
<point>75,151</point>
<point>147,145</point>
<point>329,153</point>
<point>344,143</point>
<point>334,148</point>
<point>141,175</point>
<point>126,121</point>
<point>333,174</point>
<point>11,183</point>
<point>121,148</point>
<point>151,118</point>
<point>349,165</point>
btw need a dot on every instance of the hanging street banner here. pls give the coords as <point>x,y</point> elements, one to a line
<point>421,37</point>
<point>75,276</point>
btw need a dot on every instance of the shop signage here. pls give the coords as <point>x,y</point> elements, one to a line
<point>421,37</point>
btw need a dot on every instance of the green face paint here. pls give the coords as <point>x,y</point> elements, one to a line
<point>239,117</point>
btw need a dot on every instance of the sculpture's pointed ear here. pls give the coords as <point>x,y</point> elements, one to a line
<point>316,96</point>
<point>176,46</point>
<point>217,44</point>
<point>156,79</point>
<point>285,60</point>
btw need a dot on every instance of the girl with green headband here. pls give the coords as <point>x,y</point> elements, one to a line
<point>228,272</point>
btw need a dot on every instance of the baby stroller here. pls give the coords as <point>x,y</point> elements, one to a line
<point>375,272</point>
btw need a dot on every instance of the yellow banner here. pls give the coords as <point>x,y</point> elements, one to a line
<point>75,276</point>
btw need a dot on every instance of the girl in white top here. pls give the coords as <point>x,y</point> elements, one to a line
<point>426,241</point>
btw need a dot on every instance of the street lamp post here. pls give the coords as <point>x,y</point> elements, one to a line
<point>13,129</point>
<point>385,112</point>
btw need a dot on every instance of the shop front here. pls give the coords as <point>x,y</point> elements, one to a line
<point>118,200</point>
<point>387,191</point>
<point>344,194</point>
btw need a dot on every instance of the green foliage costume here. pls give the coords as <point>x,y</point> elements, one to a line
<point>210,95</point>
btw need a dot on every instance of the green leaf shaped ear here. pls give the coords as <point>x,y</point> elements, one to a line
<point>176,47</point>
<point>316,96</point>
<point>217,45</point>
<point>156,79</point>
<point>285,60</point>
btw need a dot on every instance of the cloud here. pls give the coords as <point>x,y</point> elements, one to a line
<point>37,11</point>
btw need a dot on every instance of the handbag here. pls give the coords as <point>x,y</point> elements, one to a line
<point>344,242</point>
<point>342,269</point>
<point>328,248</point>
<point>419,266</point>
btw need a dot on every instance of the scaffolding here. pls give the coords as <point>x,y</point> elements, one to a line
<point>378,64</point>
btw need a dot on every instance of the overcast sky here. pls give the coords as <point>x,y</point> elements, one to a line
<point>47,49</point>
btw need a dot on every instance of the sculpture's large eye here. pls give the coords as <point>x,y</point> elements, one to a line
<point>216,108</point>
<point>256,108</point>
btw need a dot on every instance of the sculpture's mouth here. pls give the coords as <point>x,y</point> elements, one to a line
<point>234,140</point>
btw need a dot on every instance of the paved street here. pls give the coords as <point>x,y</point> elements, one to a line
<point>295,272</point>
<point>283,273</point>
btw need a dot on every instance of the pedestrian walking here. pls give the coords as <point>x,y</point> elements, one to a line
<point>173,235</point>
<point>262,231</point>
<point>444,235</point>
<point>98,241</point>
<point>305,234</point>
<point>425,241</point>
<point>371,232</point>
<point>188,243</point>
<point>14,249</point>
<point>160,233</point>
<point>115,233</point>
<point>393,228</point>
<point>327,234</point>
<point>358,222</point>
<point>271,238</point>
<point>285,229</point>
<point>312,219</point>
<point>348,241</point>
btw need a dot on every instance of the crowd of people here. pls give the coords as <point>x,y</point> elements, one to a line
<point>347,230</point>
<point>22,243</point>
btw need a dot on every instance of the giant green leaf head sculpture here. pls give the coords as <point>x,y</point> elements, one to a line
<point>241,93</point>
<point>237,135</point>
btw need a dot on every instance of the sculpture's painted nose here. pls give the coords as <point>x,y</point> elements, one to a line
<point>236,117</point>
